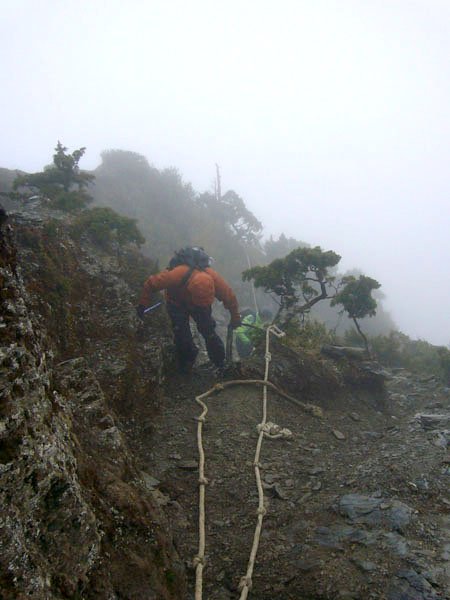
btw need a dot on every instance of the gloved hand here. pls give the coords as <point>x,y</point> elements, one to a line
<point>235,321</point>
<point>140,308</point>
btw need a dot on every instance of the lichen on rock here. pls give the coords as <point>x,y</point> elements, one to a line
<point>76,519</point>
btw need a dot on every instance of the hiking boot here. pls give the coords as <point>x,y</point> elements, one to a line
<point>229,371</point>
<point>186,369</point>
<point>219,372</point>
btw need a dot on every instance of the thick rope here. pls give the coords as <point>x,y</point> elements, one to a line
<point>265,429</point>
<point>199,561</point>
<point>246,581</point>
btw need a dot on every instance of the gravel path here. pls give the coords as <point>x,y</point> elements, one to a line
<point>358,503</point>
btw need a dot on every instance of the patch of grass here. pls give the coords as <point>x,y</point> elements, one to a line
<point>310,336</point>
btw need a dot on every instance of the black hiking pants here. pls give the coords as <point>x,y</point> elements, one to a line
<point>186,349</point>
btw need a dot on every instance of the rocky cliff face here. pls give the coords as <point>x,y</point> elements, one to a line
<point>78,519</point>
<point>357,501</point>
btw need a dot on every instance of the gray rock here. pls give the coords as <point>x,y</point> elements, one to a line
<point>150,482</point>
<point>356,506</point>
<point>316,470</point>
<point>354,353</point>
<point>275,490</point>
<point>410,585</point>
<point>307,565</point>
<point>367,510</point>
<point>111,438</point>
<point>329,538</point>
<point>335,535</point>
<point>441,439</point>
<point>396,543</point>
<point>188,465</point>
<point>366,566</point>
<point>446,552</point>
<point>431,421</point>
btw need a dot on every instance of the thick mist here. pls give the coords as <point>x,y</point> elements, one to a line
<point>331,119</point>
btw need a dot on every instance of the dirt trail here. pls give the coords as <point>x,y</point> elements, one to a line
<point>358,503</point>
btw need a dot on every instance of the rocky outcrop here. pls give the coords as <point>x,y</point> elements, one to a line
<point>350,352</point>
<point>77,519</point>
<point>327,379</point>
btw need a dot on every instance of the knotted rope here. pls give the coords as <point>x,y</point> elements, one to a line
<point>265,429</point>
<point>246,581</point>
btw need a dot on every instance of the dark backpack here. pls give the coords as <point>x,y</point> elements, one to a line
<point>194,258</point>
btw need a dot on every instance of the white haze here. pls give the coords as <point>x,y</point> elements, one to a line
<point>330,118</point>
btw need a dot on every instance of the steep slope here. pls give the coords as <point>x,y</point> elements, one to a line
<point>98,454</point>
<point>78,519</point>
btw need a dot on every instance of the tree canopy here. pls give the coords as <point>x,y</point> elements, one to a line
<point>356,296</point>
<point>356,299</point>
<point>300,279</point>
<point>231,211</point>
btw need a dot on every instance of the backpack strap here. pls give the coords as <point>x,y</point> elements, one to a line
<point>187,276</point>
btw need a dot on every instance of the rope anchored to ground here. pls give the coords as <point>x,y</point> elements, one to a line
<point>265,429</point>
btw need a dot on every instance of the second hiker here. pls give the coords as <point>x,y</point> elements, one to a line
<point>191,287</point>
<point>250,330</point>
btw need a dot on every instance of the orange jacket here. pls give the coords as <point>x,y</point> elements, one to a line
<point>200,290</point>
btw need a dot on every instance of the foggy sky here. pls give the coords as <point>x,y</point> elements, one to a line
<point>330,118</point>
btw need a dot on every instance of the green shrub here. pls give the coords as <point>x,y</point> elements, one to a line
<point>104,226</point>
<point>50,230</point>
<point>387,348</point>
<point>418,356</point>
<point>310,335</point>
<point>444,360</point>
<point>70,201</point>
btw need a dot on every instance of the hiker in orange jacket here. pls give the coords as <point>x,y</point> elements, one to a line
<point>191,287</point>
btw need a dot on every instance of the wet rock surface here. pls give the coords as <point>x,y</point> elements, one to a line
<point>77,519</point>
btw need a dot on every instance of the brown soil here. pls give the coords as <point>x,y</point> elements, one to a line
<point>383,454</point>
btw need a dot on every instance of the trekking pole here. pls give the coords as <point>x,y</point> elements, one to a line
<point>252,283</point>
<point>229,345</point>
<point>150,308</point>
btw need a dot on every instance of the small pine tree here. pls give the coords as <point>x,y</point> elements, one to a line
<point>356,299</point>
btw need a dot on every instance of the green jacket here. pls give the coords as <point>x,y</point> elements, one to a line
<point>247,335</point>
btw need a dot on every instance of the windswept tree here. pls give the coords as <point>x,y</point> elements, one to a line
<point>62,182</point>
<point>231,211</point>
<point>355,296</point>
<point>299,280</point>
